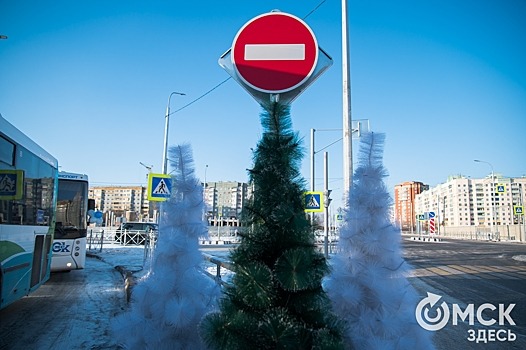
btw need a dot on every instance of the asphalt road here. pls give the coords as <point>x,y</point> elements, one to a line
<point>73,310</point>
<point>478,273</point>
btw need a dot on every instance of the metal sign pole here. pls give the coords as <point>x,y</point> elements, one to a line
<point>327,202</point>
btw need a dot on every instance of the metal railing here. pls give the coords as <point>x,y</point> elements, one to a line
<point>222,269</point>
<point>223,264</point>
<point>95,239</point>
<point>98,237</point>
<point>219,262</point>
<point>101,235</point>
<point>466,235</point>
<point>507,232</point>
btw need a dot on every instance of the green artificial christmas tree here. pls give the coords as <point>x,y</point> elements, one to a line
<point>277,300</point>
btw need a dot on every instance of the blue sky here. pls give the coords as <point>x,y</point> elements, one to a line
<point>89,81</point>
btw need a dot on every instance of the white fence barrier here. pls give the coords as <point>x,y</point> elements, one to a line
<point>100,236</point>
<point>512,233</point>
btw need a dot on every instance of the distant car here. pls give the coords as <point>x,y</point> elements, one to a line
<point>135,232</point>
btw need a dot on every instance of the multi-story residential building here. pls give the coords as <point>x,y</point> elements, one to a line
<point>222,199</point>
<point>130,202</point>
<point>225,199</point>
<point>404,203</point>
<point>463,201</point>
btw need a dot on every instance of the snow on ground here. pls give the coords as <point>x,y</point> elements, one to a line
<point>70,311</point>
<point>132,257</point>
<point>135,259</point>
<point>91,329</point>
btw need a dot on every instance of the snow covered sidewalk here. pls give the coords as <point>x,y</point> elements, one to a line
<point>130,257</point>
<point>131,261</point>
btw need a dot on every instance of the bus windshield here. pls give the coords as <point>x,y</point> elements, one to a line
<point>71,209</point>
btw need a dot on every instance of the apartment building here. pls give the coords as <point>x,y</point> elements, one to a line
<point>404,203</point>
<point>225,199</point>
<point>123,201</point>
<point>463,201</point>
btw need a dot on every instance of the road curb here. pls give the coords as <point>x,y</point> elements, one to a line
<point>426,239</point>
<point>129,279</point>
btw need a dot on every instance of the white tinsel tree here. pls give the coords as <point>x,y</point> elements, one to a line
<point>170,301</point>
<point>367,286</point>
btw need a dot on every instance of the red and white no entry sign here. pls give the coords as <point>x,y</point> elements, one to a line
<point>275,52</point>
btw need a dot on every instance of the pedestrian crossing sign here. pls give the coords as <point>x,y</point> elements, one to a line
<point>11,184</point>
<point>501,188</point>
<point>518,210</point>
<point>313,201</point>
<point>159,187</point>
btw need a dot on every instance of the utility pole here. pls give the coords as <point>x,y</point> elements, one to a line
<point>347,119</point>
<point>327,202</point>
<point>166,124</point>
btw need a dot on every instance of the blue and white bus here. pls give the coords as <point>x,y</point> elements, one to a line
<point>69,242</point>
<point>28,190</point>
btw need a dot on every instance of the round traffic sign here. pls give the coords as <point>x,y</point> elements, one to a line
<point>275,52</point>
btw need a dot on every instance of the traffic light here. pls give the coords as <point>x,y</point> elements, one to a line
<point>328,200</point>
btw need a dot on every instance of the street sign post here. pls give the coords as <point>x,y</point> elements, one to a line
<point>432,228</point>
<point>275,54</point>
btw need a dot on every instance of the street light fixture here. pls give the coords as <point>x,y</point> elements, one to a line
<point>148,167</point>
<point>166,123</point>
<point>3,37</point>
<point>492,191</point>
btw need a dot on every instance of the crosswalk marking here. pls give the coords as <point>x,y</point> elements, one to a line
<point>471,272</point>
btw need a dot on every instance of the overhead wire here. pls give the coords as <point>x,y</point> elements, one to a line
<point>310,13</point>
<point>200,97</point>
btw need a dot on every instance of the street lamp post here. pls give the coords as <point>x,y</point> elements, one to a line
<point>166,123</point>
<point>491,192</point>
<point>347,118</point>
<point>444,217</point>
<point>151,204</point>
<point>523,220</point>
<point>205,205</point>
<point>204,184</point>
<point>407,202</point>
<point>412,216</point>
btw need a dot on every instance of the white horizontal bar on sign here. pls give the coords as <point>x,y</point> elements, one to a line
<point>274,52</point>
